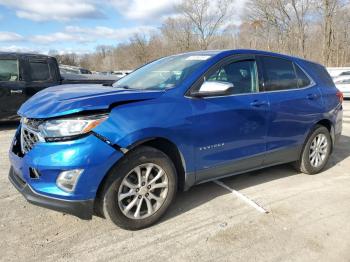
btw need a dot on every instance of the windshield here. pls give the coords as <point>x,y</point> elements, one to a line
<point>162,74</point>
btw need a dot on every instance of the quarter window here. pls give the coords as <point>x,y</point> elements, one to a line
<point>39,71</point>
<point>241,74</point>
<point>303,80</point>
<point>9,70</point>
<point>279,74</point>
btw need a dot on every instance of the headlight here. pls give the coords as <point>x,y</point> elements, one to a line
<point>69,127</point>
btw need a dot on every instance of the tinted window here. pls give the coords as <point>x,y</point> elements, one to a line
<point>302,78</point>
<point>241,74</point>
<point>9,70</point>
<point>39,71</point>
<point>279,74</point>
<point>322,74</point>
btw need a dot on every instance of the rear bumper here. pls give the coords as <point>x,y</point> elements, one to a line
<point>80,208</point>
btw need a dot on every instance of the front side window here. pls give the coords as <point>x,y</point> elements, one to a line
<point>9,70</point>
<point>279,74</point>
<point>164,73</point>
<point>39,71</point>
<point>242,74</point>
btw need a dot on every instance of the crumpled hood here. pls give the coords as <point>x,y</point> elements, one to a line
<point>68,99</point>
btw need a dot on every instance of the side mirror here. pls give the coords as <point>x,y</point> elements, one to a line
<point>213,88</point>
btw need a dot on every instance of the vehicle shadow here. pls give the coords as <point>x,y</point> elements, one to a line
<point>340,153</point>
<point>10,125</point>
<point>201,194</point>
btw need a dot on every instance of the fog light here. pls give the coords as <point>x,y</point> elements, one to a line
<point>67,180</point>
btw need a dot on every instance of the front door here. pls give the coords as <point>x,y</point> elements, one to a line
<point>229,131</point>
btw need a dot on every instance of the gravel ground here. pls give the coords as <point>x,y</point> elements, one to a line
<point>308,220</point>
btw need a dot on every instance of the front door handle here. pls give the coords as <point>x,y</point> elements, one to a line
<point>16,91</point>
<point>258,103</point>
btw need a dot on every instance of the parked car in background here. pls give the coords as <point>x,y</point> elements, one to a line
<point>346,73</point>
<point>23,75</point>
<point>121,73</point>
<point>343,84</point>
<point>337,71</point>
<point>66,69</point>
<point>122,152</point>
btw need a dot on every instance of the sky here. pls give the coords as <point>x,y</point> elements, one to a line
<point>78,25</point>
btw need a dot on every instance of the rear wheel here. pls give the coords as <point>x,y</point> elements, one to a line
<point>140,189</point>
<point>316,151</point>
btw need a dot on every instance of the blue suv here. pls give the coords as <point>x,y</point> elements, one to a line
<point>123,151</point>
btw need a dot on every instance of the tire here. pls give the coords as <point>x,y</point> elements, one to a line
<point>307,163</point>
<point>125,179</point>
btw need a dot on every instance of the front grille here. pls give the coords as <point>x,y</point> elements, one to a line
<point>28,139</point>
<point>29,134</point>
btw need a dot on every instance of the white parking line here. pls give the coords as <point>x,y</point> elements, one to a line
<point>242,197</point>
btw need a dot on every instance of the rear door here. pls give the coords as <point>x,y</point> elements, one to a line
<point>42,74</point>
<point>295,102</point>
<point>12,87</point>
<point>229,131</point>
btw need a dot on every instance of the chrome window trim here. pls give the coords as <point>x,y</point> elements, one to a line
<point>312,84</point>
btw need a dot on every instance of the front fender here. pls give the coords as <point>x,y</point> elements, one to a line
<point>167,118</point>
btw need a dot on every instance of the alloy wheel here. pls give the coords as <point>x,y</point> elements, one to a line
<point>143,191</point>
<point>318,150</point>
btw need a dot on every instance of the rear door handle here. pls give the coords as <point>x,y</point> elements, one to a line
<point>258,103</point>
<point>312,96</point>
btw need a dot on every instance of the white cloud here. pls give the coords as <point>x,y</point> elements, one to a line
<point>15,48</point>
<point>101,32</point>
<point>42,50</point>
<point>61,10</point>
<point>10,37</point>
<point>59,37</point>
<point>77,34</point>
<point>145,10</point>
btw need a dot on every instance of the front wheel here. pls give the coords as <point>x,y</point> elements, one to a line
<point>316,151</point>
<point>140,189</point>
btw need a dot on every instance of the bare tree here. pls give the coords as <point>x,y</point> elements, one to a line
<point>328,10</point>
<point>314,29</point>
<point>301,10</point>
<point>206,16</point>
<point>178,34</point>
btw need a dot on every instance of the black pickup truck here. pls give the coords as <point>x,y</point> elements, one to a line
<point>23,75</point>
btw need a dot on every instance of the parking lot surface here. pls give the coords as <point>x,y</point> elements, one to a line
<point>307,220</point>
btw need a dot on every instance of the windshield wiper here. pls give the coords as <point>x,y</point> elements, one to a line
<point>124,87</point>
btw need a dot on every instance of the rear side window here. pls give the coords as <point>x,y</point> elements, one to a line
<point>9,70</point>
<point>279,74</point>
<point>323,74</point>
<point>39,71</point>
<point>302,78</point>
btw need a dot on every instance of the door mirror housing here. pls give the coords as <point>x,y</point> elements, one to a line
<point>213,88</point>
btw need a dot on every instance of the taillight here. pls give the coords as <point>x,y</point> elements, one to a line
<point>340,96</point>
